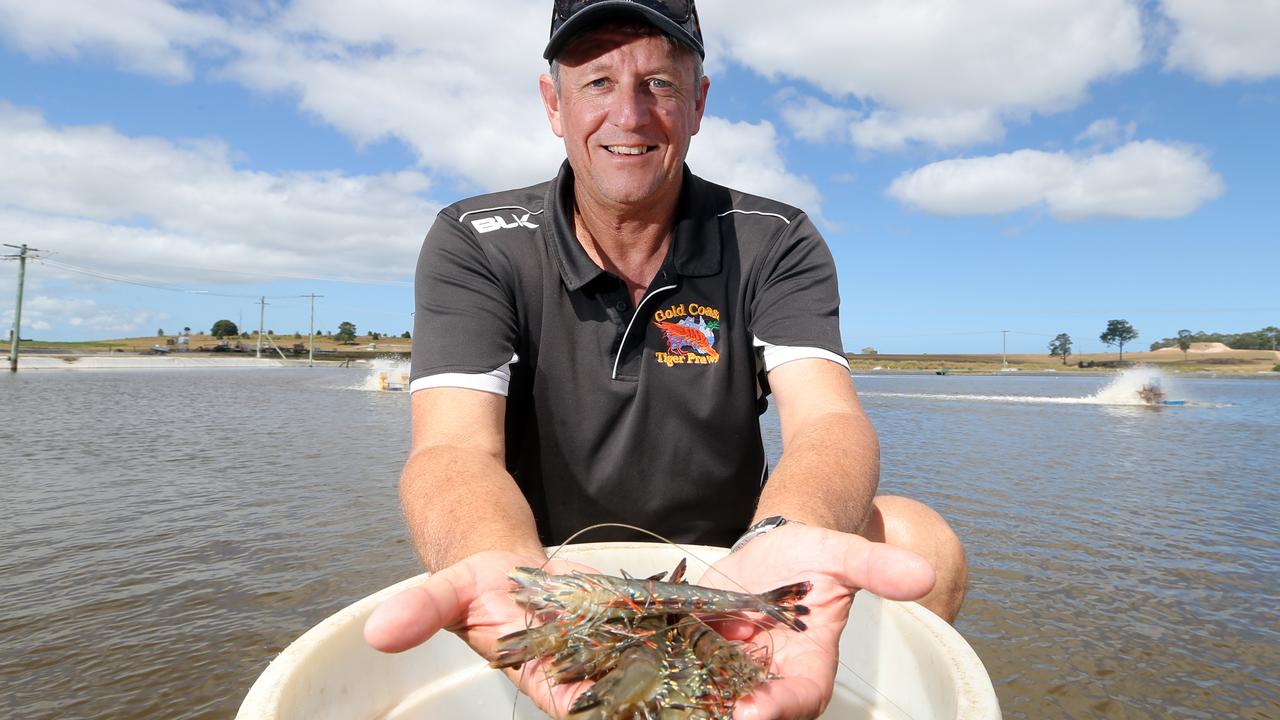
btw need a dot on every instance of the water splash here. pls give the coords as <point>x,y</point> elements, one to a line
<point>386,374</point>
<point>1123,390</point>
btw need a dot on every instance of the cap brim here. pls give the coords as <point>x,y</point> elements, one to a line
<point>594,14</point>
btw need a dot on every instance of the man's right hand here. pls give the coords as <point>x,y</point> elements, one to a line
<point>471,599</point>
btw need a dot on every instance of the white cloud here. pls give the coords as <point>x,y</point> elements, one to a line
<point>1145,179</point>
<point>134,205</point>
<point>457,82</point>
<point>84,314</point>
<point>890,130</point>
<point>1218,42</point>
<point>934,71</point>
<point>814,120</point>
<point>146,36</point>
<point>1107,132</point>
<point>744,156</point>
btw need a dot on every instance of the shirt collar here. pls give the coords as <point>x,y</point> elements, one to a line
<point>695,250</point>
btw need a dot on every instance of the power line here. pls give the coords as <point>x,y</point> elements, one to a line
<point>133,281</point>
<point>282,276</point>
<point>152,285</point>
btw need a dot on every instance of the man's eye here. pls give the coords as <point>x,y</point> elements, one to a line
<point>598,83</point>
<point>659,84</point>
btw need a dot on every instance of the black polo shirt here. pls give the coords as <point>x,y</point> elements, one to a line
<point>645,415</point>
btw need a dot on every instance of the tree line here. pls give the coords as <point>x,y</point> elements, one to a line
<point>1120,332</point>
<point>346,333</point>
<point>1268,338</point>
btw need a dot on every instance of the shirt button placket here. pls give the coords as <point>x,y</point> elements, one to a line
<point>621,312</point>
<point>616,307</point>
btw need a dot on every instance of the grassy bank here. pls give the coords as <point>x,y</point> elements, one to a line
<point>1215,361</point>
<point>1222,361</point>
<point>326,347</point>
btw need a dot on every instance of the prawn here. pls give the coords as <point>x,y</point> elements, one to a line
<point>681,336</point>
<point>589,598</point>
<point>625,691</point>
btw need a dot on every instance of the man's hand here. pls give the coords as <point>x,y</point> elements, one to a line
<point>837,564</point>
<point>470,598</point>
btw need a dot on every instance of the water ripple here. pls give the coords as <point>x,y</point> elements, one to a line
<point>170,533</point>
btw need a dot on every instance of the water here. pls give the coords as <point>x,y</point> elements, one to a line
<point>163,534</point>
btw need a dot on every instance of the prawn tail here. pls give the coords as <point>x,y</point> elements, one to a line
<point>780,604</point>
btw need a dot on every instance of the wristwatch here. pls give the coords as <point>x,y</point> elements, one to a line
<point>766,525</point>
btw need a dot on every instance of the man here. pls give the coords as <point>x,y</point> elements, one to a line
<point>598,349</point>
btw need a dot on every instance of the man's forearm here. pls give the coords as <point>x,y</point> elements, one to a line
<point>827,475</point>
<point>458,502</point>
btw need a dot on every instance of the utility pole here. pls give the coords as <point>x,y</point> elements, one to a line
<point>262,312</point>
<point>1004,349</point>
<point>311,334</point>
<point>17,308</point>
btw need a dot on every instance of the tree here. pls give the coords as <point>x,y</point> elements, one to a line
<point>1118,333</point>
<point>186,331</point>
<point>160,332</point>
<point>1272,333</point>
<point>224,328</point>
<point>406,335</point>
<point>346,333</point>
<point>1061,347</point>
<point>1184,342</point>
<point>870,351</point>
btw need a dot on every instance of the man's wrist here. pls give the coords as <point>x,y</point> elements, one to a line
<point>765,525</point>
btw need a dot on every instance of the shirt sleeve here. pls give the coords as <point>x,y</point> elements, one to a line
<point>464,323</point>
<point>795,306</point>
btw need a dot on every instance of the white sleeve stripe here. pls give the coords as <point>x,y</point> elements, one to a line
<point>485,382</point>
<point>464,215</point>
<point>756,212</point>
<point>496,381</point>
<point>775,355</point>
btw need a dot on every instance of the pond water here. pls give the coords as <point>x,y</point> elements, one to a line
<point>166,533</point>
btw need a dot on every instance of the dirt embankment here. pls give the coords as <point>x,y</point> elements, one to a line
<point>1202,357</point>
<point>205,344</point>
<point>1208,357</point>
<point>1201,347</point>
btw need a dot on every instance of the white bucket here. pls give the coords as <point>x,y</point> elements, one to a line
<point>898,661</point>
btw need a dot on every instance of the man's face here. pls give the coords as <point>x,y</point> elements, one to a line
<point>626,109</point>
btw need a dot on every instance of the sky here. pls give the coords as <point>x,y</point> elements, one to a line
<point>976,167</point>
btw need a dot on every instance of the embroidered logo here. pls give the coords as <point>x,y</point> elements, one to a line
<point>497,222</point>
<point>690,332</point>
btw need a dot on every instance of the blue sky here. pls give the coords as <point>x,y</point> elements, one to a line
<point>976,167</point>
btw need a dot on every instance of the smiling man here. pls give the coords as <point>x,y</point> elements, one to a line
<point>599,348</point>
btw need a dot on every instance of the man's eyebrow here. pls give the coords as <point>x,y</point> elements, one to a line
<point>600,66</point>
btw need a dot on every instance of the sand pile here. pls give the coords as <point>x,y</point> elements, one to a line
<point>1200,347</point>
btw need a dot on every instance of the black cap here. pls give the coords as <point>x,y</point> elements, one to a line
<point>676,18</point>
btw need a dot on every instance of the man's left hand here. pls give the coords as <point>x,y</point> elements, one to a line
<point>837,564</point>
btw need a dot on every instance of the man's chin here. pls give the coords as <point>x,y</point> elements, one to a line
<point>631,193</point>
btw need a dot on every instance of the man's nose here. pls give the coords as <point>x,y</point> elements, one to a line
<point>631,107</point>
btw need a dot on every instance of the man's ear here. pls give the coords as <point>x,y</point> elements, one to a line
<point>551,102</point>
<point>701,105</point>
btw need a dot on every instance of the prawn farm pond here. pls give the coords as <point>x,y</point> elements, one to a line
<point>167,533</point>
